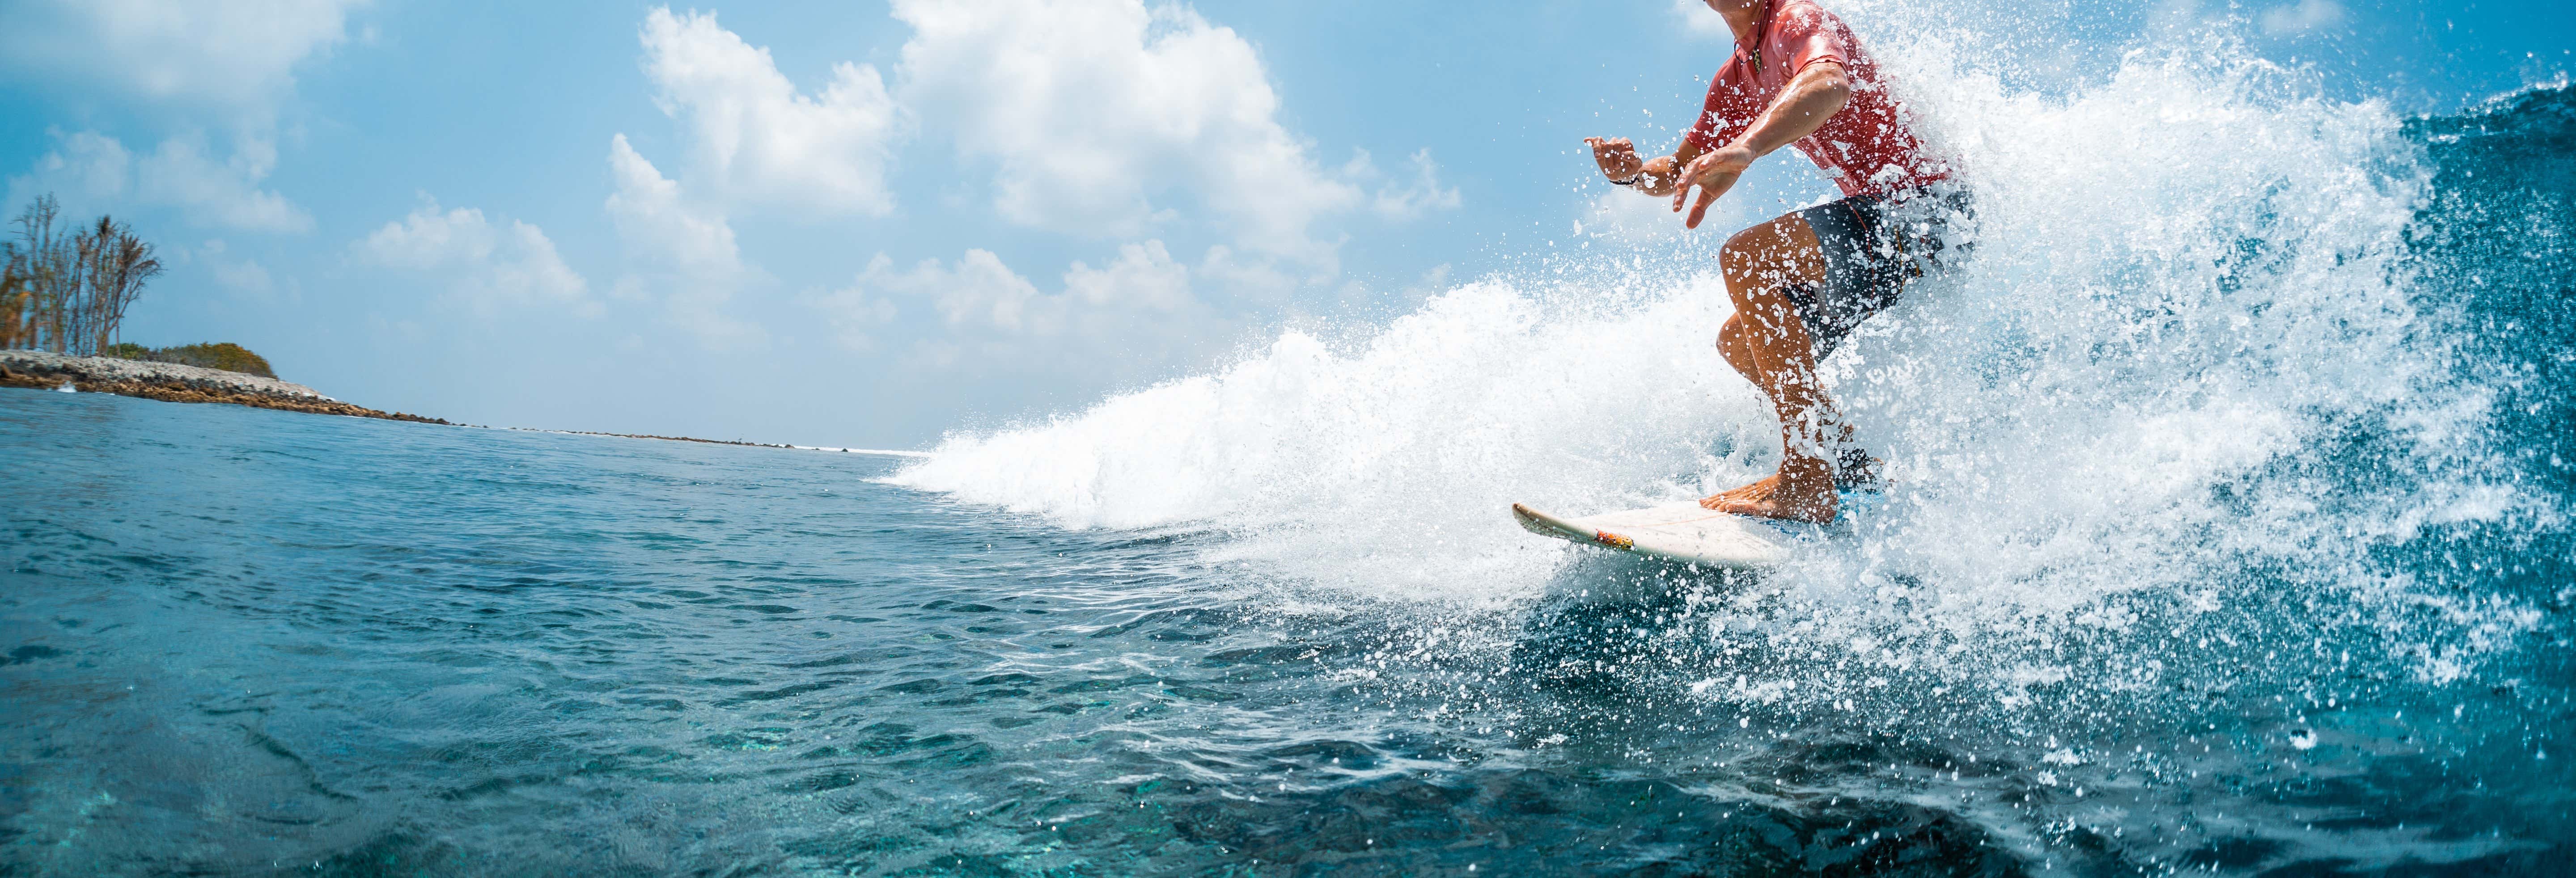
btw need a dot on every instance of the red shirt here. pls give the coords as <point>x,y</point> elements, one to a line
<point>1867,148</point>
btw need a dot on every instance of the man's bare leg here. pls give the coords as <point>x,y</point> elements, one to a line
<point>1731,345</point>
<point>1767,342</point>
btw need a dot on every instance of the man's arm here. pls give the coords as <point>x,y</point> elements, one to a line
<point>1814,96</point>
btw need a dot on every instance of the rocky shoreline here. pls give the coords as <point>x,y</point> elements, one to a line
<point>172,382</point>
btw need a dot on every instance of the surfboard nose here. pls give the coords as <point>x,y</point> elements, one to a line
<point>1530,520</point>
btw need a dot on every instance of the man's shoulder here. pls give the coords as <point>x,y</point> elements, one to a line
<point>1805,15</point>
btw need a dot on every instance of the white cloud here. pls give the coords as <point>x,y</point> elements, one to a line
<point>245,277</point>
<point>1248,280</point>
<point>658,226</point>
<point>1092,112</point>
<point>486,266</point>
<point>233,54</point>
<point>86,163</point>
<point>92,171</point>
<point>685,250</point>
<point>757,137</point>
<point>223,194</point>
<point>2304,16</point>
<point>1697,20</point>
<point>224,64</point>
<point>855,315</point>
<point>1416,196</point>
<point>979,293</point>
<point>1143,276</point>
<point>1140,302</point>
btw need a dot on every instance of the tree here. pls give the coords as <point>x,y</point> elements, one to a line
<point>116,266</point>
<point>70,293</point>
<point>51,265</point>
<point>17,311</point>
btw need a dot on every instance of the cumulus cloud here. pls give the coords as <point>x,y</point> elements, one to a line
<point>1143,276</point>
<point>225,64</point>
<point>92,171</point>
<point>232,54</point>
<point>657,225</point>
<point>1415,195</point>
<point>757,137</point>
<point>85,163</point>
<point>245,278</point>
<point>1138,311</point>
<point>487,266</point>
<point>855,314</point>
<point>1092,114</point>
<point>979,292</point>
<point>1248,279</point>
<point>2302,17</point>
<point>225,193</point>
<point>684,253</point>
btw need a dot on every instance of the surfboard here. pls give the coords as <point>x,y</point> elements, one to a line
<point>1675,531</point>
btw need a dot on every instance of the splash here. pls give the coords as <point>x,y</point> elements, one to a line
<point>2190,392</point>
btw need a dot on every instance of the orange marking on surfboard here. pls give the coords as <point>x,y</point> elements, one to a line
<point>1612,540</point>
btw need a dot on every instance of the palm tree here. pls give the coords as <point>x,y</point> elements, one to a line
<point>115,265</point>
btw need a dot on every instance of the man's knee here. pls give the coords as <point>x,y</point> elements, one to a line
<point>1736,261</point>
<point>1761,299</point>
<point>1750,262</point>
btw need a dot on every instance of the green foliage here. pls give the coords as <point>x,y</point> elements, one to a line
<point>212,355</point>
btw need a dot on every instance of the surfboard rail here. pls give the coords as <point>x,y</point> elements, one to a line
<point>1673,531</point>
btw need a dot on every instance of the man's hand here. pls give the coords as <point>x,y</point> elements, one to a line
<point>1714,172</point>
<point>1617,157</point>
<point>1815,95</point>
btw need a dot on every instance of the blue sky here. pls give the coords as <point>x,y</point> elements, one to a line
<point>865,224</point>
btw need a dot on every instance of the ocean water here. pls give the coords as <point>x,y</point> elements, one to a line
<point>2227,532</point>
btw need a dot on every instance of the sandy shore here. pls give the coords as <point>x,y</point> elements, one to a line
<point>172,382</point>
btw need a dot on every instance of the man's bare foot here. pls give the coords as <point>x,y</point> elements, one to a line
<point>1801,491</point>
<point>1851,471</point>
<point>1759,488</point>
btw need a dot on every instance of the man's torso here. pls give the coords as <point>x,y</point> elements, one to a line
<point>1869,148</point>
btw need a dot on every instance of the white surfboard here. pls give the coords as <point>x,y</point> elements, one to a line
<point>1676,531</point>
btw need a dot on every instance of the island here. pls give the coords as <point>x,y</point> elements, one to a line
<point>174,382</point>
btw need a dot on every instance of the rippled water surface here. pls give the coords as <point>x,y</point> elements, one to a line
<point>241,641</point>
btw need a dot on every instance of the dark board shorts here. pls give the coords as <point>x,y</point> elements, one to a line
<point>1875,248</point>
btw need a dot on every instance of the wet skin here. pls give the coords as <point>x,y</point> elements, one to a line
<point>1765,340</point>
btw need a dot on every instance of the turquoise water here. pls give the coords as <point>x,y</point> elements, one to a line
<point>2277,582</point>
<point>374,648</point>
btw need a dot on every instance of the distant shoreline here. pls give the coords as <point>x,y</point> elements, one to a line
<point>882,452</point>
<point>173,382</point>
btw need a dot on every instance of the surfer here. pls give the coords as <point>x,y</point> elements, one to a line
<point>1803,281</point>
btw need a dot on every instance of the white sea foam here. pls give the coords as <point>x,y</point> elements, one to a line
<point>2185,281</point>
